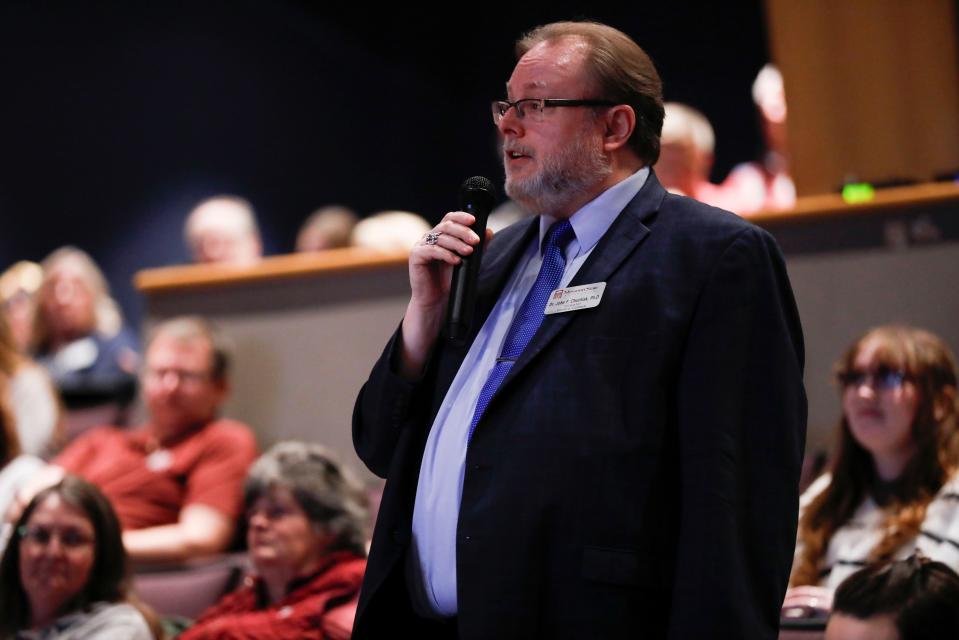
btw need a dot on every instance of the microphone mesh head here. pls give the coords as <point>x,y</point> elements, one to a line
<point>479,183</point>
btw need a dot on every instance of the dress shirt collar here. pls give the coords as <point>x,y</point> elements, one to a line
<point>596,216</point>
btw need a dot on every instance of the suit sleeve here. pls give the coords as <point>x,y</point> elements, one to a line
<point>741,428</point>
<point>382,410</point>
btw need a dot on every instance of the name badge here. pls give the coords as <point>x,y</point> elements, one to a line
<point>160,460</point>
<point>585,296</point>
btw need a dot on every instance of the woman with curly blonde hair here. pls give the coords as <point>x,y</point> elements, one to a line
<point>893,485</point>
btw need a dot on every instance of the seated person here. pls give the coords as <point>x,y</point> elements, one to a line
<point>912,599</point>
<point>506,213</point>
<point>327,228</point>
<point>64,575</point>
<point>18,287</point>
<point>78,333</point>
<point>893,483</point>
<point>306,520</point>
<point>16,468</point>
<point>176,483</point>
<point>31,398</point>
<point>223,230</point>
<point>389,231</point>
<point>686,155</point>
<point>765,184</point>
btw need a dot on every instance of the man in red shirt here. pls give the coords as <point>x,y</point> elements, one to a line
<point>176,483</point>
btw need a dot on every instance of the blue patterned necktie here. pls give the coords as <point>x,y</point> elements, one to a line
<point>530,314</point>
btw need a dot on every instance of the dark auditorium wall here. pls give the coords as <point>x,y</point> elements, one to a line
<point>116,116</point>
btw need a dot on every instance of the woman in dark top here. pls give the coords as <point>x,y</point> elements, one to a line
<point>79,335</point>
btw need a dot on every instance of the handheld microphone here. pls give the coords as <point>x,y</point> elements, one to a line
<point>477,195</point>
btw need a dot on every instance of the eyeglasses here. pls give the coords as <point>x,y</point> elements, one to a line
<point>533,107</point>
<point>271,511</point>
<point>183,376</point>
<point>882,378</point>
<point>41,536</point>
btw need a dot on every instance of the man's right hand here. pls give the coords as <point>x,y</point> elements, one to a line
<point>431,268</point>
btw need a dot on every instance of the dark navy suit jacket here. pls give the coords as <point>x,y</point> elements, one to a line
<point>636,473</point>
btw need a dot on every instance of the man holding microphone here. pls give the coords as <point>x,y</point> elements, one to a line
<point>614,450</point>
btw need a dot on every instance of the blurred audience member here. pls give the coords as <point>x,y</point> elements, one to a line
<point>766,184</point>
<point>912,599</point>
<point>686,155</point>
<point>892,486</point>
<point>176,483</point>
<point>390,231</point>
<point>64,575</point>
<point>79,334</point>
<point>223,230</point>
<point>31,398</point>
<point>16,468</point>
<point>306,519</point>
<point>504,215</point>
<point>326,228</point>
<point>18,286</point>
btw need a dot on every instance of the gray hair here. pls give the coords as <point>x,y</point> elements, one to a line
<point>324,489</point>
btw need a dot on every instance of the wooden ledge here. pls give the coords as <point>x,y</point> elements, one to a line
<point>828,205</point>
<point>297,265</point>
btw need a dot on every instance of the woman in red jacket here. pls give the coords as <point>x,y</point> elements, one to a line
<point>306,521</point>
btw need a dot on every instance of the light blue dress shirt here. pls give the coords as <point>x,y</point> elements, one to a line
<point>432,569</point>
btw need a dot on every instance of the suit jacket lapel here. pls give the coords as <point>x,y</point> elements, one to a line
<point>625,234</point>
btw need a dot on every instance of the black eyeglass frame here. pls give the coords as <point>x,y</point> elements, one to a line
<point>880,378</point>
<point>42,536</point>
<point>499,111</point>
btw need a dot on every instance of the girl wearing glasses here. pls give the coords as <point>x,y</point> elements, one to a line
<point>63,575</point>
<point>892,487</point>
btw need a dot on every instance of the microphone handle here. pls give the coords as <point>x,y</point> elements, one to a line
<point>462,302</point>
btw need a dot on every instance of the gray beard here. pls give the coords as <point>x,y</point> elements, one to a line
<point>578,168</point>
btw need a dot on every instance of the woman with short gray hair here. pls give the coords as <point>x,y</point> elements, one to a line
<point>306,532</point>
